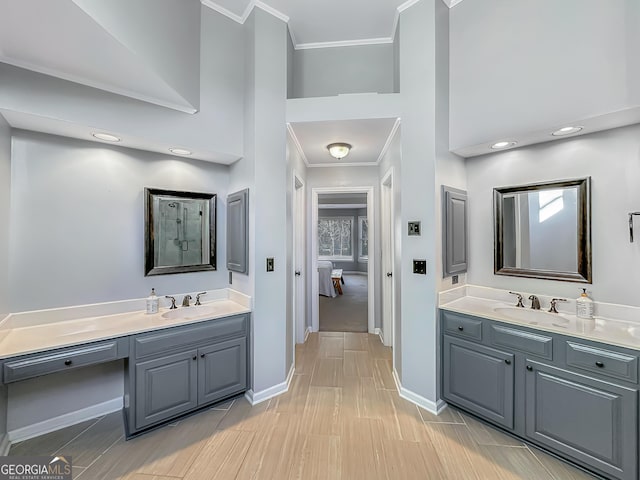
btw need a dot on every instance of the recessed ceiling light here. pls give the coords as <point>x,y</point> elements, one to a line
<point>499,145</point>
<point>106,137</point>
<point>180,151</point>
<point>566,131</point>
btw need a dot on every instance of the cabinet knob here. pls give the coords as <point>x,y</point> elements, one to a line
<point>195,357</point>
<point>599,364</point>
<point>461,328</point>
<point>68,362</point>
<point>507,361</point>
<point>529,367</point>
<point>202,355</point>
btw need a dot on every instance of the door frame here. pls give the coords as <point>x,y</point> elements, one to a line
<point>298,230</point>
<point>387,183</point>
<point>371,262</point>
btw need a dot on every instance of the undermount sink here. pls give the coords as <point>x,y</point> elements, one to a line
<point>189,313</point>
<point>531,316</point>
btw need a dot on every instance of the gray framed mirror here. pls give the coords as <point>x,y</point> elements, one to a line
<point>180,231</point>
<point>543,230</point>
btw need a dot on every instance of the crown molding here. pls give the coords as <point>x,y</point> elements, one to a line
<point>271,10</point>
<point>344,43</point>
<point>387,144</point>
<point>352,164</point>
<point>407,4</point>
<point>297,144</point>
<point>214,6</point>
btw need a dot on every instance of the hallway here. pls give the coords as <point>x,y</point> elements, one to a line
<point>341,419</point>
<point>347,312</point>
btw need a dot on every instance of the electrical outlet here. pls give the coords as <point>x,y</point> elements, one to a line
<point>420,267</point>
<point>454,279</point>
<point>270,264</point>
<point>414,228</point>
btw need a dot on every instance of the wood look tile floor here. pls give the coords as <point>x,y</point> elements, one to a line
<point>342,419</point>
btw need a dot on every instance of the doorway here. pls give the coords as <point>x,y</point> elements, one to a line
<point>299,297</point>
<point>369,275</point>
<point>387,216</point>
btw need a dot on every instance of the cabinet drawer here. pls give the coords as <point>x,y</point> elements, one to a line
<point>178,337</point>
<point>36,365</point>
<point>461,325</point>
<point>527,342</point>
<point>604,362</point>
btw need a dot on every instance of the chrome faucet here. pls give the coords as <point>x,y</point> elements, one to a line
<point>173,302</point>
<point>185,301</point>
<point>198,298</point>
<point>535,302</point>
<point>554,302</point>
<point>519,304</point>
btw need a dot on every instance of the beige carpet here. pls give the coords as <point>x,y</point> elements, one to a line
<point>346,312</point>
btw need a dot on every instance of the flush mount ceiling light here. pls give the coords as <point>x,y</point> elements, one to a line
<point>106,137</point>
<point>566,131</point>
<point>339,150</point>
<point>180,151</point>
<point>500,145</point>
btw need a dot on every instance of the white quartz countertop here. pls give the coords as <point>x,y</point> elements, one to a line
<point>606,330</point>
<point>20,340</point>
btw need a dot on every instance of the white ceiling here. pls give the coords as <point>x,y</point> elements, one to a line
<point>324,23</point>
<point>369,138</point>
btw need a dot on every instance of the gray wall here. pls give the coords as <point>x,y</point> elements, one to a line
<point>568,59</point>
<point>356,265</point>
<point>264,170</point>
<point>216,127</point>
<point>5,203</point>
<point>5,212</point>
<point>143,25</point>
<point>77,221</point>
<point>320,72</point>
<point>612,159</point>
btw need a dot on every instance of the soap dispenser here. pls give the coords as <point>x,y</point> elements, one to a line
<point>584,305</point>
<point>152,302</point>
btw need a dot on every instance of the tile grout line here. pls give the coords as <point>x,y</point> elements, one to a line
<point>540,462</point>
<point>78,435</point>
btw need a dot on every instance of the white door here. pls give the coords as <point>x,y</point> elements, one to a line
<point>298,262</point>
<point>387,215</point>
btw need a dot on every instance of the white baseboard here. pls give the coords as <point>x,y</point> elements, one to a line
<point>258,397</point>
<point>419,400</point>
<point>306,333</point>
<point>66,420</point>
<point>5,445</point>
<point>378,331</point>
<point>355,272</point>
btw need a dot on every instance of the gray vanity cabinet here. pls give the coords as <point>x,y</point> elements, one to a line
<point>166,387</point>
<point>222,370</point>
<point>591,421</point>
<point>480,379</point>
<point>576,398</point>
<point>177,370</point>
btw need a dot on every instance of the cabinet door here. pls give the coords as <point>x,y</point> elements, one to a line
<point>480,379</point>
<point>165,387</point>
<point>238,231</point>
<point>222,370</point>
<point>454,230</point>
<point>591,421</point>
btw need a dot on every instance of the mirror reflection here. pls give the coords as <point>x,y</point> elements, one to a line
<point>180,231</point>
<point>542,231</point>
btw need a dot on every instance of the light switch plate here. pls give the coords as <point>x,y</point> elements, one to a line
<point>420,267</point>
<point>270,264</point>
<point>414,228</point>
